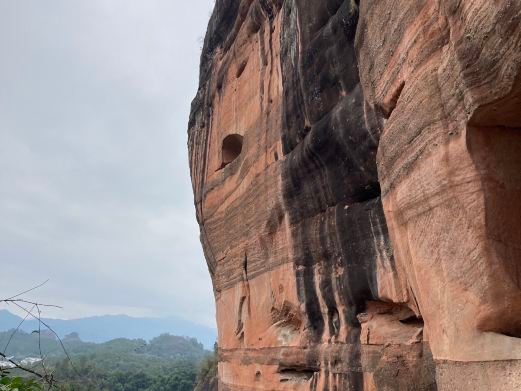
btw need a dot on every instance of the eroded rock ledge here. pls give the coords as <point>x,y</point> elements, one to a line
<point>356,168</point>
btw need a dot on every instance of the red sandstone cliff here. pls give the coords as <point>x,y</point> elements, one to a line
<point>356,168</point>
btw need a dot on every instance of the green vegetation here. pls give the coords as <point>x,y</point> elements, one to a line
<point>166,363</point>
<point>87,374</point>
<point>17,383</point>
<point>208,368</point>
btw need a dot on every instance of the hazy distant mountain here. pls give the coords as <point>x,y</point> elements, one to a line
<point>107,327</point>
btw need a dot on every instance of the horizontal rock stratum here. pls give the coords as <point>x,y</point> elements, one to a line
<point>356,167</point>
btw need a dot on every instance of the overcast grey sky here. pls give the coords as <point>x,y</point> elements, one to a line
<point>94,179</point>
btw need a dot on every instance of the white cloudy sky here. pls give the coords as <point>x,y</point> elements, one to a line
<point>94,180</point>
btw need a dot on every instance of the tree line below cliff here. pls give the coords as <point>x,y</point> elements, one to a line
<point>165,363</point>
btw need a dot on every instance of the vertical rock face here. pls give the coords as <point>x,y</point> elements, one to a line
<point>321,132</point>
<point>445,77</point>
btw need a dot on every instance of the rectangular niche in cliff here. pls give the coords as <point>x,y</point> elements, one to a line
<point>231,149</point>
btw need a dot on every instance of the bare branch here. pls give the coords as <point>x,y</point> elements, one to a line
<point>40,321</point>
<point>27,291</point>
<point>21,367</point>
<point>31,302</point>
<point>46,377</point>
<point>40,341</point>
<point>15,331</point>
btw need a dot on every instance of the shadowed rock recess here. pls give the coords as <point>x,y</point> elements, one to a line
<point>356,167</point>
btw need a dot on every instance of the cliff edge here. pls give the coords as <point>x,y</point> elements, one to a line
<point>356,168</point>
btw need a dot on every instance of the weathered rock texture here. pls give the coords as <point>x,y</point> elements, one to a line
<point>322,132</point>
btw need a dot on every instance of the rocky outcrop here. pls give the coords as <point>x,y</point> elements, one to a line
<point>449,164</point>
<point>355,168</point>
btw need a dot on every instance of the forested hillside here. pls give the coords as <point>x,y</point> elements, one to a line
<point>104,328</point>
<point>166,362</point>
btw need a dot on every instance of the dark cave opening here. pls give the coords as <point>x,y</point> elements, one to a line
<point>231,149</point>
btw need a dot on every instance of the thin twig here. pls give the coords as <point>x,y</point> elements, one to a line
<point>15,331</point>
<point>21,367</point>
<point>27,291</point>
<point>40,342</point>
<point>55,334</point>
<point>31,302</point>
<point>46,378</point>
